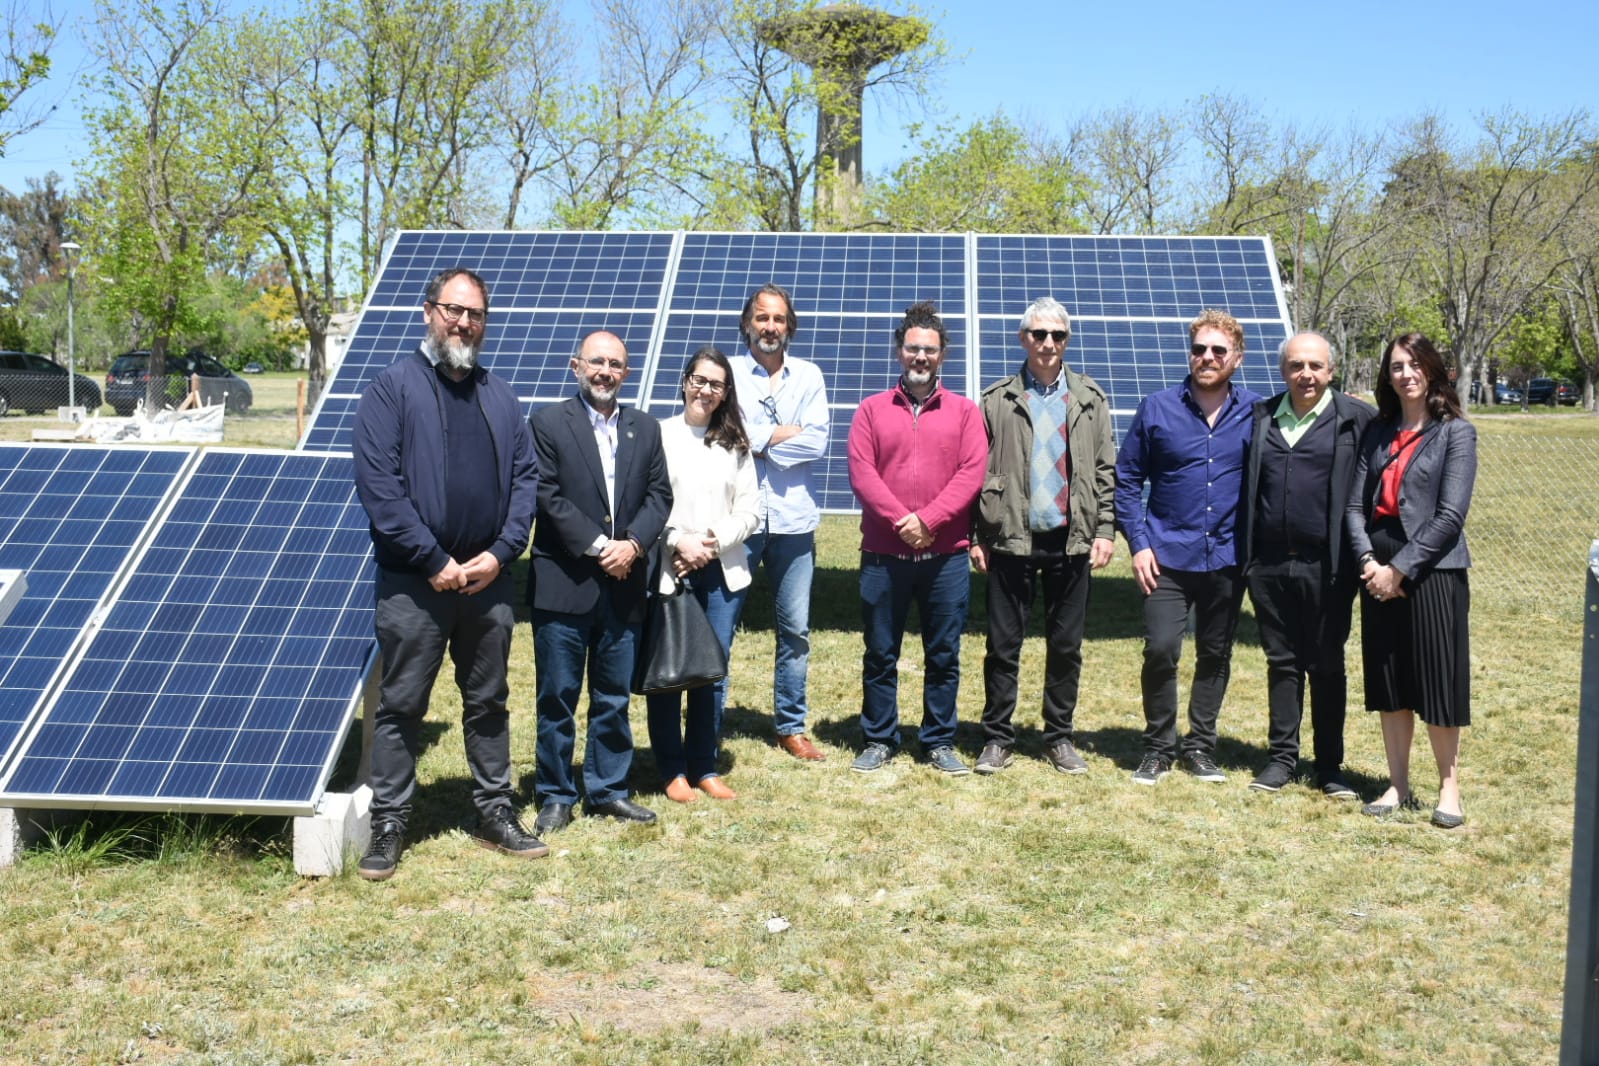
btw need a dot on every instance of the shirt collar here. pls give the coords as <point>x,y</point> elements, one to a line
<point>597,420</point>
<point>1032,383</point>
<point>1286,417</point>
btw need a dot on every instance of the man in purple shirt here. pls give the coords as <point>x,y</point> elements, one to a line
<point>1189,444</point>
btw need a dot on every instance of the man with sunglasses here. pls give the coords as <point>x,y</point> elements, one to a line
<point>784,403</point>
<point>1302,577</point>
<point>445,468</point>
<point>1046,511</point>
<point>916,459</point>
<point>1189,444</point>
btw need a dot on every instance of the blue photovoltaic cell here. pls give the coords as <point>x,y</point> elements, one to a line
<point>330,428</point>
<point>554,270</point>
<point>826,273</point>
<point>1130,299</point>
<point>69,516</point>
<point>1128,277</point>
<point>226,670</point>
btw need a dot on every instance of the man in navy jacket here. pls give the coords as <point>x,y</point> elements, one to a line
<point>604,497</point>
<point>444,466</point>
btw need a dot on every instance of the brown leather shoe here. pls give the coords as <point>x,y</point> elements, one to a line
<point>678,790</point>
<point>716,788</point>
<point>799,745</point>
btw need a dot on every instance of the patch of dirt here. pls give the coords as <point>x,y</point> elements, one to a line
<point>666,995</point>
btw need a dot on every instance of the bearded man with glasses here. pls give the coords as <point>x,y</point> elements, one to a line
<point>445,468</point>
<point>1189,444</point>
<point>1046,512</point>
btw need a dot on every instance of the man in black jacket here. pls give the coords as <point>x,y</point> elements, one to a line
<point>1301,576</point>
<point>604,498</point>
<point>444,467</point>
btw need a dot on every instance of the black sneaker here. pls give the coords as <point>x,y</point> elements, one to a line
<point>1152,769</point>
<point>501,831</point>
<point>1202,766</point>
<point>872,759</point>
<point>1337,788</point>
<point>995,757</point>
<point>383,853</point>
<point>1272,779</point>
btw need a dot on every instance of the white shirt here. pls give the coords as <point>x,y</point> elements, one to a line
<point>605,440</point>
<point>714,491</point>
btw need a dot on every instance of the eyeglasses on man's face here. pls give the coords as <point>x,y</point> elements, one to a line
<point>1218,350</point>
<point>453,313</point>
<point>704,384</point>
<point>596,362</point>
<point>920,349</point>
<point>1041,335</point>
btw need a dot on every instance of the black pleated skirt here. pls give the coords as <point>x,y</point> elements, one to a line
<point>1417,648</point>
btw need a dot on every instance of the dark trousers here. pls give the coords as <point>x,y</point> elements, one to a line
<point>1214,596</point>
<point>1065,580</point>
<point>415,626</point>
<point>940,588</point>
<point>601,644</point>
<point>1304,623</point>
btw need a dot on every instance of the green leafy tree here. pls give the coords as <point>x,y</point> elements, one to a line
<point>29,35</point>
<point>987,178</point>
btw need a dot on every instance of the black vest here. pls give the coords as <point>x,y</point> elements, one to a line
<point>1292,506</point>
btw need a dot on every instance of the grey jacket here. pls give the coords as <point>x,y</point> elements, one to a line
<point>1001,514</point>
<point>1433,497</point>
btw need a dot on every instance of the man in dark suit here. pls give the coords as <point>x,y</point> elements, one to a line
<point>603,501</point>
<point>1299,568</point>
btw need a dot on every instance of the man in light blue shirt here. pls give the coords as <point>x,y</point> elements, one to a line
<point>784,404</point>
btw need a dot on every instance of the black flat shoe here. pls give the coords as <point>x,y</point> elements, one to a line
<point>552,818</point>
<point>1444,820</point>
<point>1379,810</point>
<point>624,810</point>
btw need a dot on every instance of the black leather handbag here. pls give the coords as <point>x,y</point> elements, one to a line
<point>678,649</point>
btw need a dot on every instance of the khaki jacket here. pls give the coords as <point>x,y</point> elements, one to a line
<point>1002,504</point>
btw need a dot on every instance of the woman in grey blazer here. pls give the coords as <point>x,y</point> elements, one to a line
<point>1406,513</point>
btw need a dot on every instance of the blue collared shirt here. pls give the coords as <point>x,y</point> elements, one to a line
<point>1195,473</point>
<point>796,397</point>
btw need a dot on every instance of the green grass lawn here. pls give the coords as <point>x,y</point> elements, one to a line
<point>1030,917</point>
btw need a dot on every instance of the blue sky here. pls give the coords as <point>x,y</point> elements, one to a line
<point>1360,62</point>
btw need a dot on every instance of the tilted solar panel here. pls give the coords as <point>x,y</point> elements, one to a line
<point>69,517</point>
<point>227,668</point>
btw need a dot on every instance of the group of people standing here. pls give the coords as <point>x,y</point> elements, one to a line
<point>1303,498</point>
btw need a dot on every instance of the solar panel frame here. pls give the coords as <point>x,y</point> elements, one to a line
<point>202,688</point>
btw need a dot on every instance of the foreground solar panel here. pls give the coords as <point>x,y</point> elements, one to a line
<point>666,294</point>
<point>69,517</point>
<point>227,669</point>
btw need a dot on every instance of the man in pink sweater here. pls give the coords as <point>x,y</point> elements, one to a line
<point>916,459</point>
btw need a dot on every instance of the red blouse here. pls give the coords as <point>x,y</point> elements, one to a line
<point>1403,447</point>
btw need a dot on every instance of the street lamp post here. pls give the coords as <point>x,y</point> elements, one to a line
<point>71,250</point>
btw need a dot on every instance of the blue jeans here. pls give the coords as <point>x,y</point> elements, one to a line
<point>790,560</point>
<point>563,645</point>
<point>941,588</point>
<point>689,750</point>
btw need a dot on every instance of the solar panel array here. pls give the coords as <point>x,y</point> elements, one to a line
<point>666,294</point>
<point>222,670</point>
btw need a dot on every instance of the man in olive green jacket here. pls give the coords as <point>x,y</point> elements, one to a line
<point>1046,510</point>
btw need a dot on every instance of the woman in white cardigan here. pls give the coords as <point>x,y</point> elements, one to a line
<point>715,506</point>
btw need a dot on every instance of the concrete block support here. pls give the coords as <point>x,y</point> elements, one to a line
<point>337,833</point>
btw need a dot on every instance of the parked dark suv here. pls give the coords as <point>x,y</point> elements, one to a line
<point>1542,391</point>
<point>37,384</point>
<point>125,382</point>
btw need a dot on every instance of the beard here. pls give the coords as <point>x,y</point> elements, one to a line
<point>775,346</point>
<point>919,378</point>
<point>600,399</point>
<point>452,352</point>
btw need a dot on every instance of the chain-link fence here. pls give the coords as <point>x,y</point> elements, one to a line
<point>1534,513</point>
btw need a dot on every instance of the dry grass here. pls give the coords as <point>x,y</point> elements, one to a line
<point>1026,918</point>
